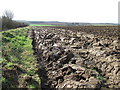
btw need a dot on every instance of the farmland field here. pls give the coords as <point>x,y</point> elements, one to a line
<point>78,56</point>
<point>41,25</point>
<point>54,57</point>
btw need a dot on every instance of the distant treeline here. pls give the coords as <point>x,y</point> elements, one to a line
<point>8,23</point>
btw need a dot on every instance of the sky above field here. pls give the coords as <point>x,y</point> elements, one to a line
<point>94,11</point>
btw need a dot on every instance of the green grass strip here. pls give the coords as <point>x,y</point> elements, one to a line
<point>41,25</point>
<point>19,65</point>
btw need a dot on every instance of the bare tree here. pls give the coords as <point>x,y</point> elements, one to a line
<point>9,14</point>
<point>8,23</point>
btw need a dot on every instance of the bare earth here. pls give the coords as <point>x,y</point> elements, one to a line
<point>77,58</point>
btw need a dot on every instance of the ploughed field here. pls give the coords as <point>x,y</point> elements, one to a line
<point>102,31</point>
<point>77,57</point>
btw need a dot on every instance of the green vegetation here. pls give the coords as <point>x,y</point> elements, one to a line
<point>19,65</point>
<point>97,74</point>
<point>41,25</point>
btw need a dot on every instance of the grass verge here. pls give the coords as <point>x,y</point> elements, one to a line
<point>19,65</point>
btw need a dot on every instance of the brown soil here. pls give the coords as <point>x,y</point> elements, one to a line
<point>78,57</point>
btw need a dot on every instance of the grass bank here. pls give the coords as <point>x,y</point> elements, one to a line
<point>19,65</point>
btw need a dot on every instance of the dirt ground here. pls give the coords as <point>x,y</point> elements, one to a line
<point>78,57</point>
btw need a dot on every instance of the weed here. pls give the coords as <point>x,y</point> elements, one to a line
<point>97,74</point>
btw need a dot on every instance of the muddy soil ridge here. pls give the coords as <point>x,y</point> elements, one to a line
<point>76,59</point>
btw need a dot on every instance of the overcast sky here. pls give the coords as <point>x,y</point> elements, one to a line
<point>94,11</point>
